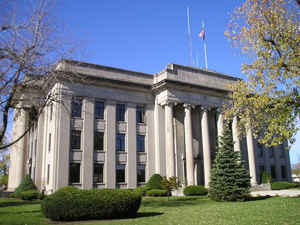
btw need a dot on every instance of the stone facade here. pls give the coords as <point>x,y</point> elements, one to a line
<point>166,123</point>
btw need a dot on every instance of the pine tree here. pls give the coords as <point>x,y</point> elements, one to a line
<point>230,181</point>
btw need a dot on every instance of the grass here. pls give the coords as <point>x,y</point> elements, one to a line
<point>178,210</point>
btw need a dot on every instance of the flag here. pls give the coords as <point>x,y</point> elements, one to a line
<point>202,34</point>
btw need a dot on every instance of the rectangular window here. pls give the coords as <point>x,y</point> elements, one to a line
<point>120,112</point>
<point>48,174</point>
<point>99,110</point>
<point>98,173</point>
<point>140,114</point>
<point>49,143</point>
<point>74,176</point>
<point>120,142</point>
<point>140,143</point>
<point>76,107</point>
<point>98,141</point>
<point>120,173</point>
<point>51,111</point>
<point>283,172</point>
<point>273,172</point>
<point>141,173</point>
<point>76,139</point>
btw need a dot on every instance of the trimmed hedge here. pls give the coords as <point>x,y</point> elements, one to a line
<point>283,185</point>
<point>155,182</point>
<point>69,203</point>
<point>29,195</point>
<point>157,192</point>
<point>142,190</point>
<point>26,185</point>
<point>195,190</point>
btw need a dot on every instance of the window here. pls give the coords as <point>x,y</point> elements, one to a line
<point>141,173</point>
<point>273,172</point>
<point>99,110</point>
<point>140,143</point>
<point>76,107</point>
<point>49,143</point>
<point>76,139</point>
<point>140,114</point>
<point>120,142</point>
<point>98,141</point>
<point>74,173</point>
<point>51,111</point>
<point>120,173</point>
<point>48,174</point>
<point>98,173</point>
<point>261,171</point>
<point>283,172</point>
<point>120,112</point>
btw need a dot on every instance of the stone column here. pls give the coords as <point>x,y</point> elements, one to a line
<point>170,154</point>
<point>157,127</point>
<point>251,157</point>
<point>88,144</point>
<point>206,146</point>
<point>189,144</point>
<point>220,123</point>
<point>235,135</point>
<point>131,145</point>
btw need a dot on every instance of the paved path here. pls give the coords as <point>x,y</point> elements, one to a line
<point>283,193</point>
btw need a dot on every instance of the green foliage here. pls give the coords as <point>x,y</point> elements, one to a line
<point>142,190</point>
<point>194,190</point>
<point>69,203</point>
<point>155,182</point>
<point>283,185</point>
<point>170,184</point>
<point>26,184</point>
<point>230,181</point>
<point>29,195</point>
<point>4,180</point>
<point>157,192</point>
<point>266,178</point>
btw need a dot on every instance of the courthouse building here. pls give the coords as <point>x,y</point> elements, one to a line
<point>114,128</point>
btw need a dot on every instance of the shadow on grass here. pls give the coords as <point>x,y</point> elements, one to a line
<point>18,203</point>
<point>19,212</point>
<point>256,198</point>
<point>148,214</point>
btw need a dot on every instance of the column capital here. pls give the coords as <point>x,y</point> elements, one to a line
<point>169,103</point>
<point>205,108</point>
<point>188,106</point>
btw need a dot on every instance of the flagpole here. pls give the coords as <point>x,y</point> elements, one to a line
<point>189,35</point>
<point>204,45</point>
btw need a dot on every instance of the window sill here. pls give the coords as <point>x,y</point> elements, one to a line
<point>76,150</point>
<point>99,151</point>
<point>121,152</point>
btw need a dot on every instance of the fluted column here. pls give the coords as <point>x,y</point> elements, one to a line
<point>206,146</point>
<point>170,154</point>
<point>189,144</point>
<point>220,124</point>
<point>235,135</point>
<point>251,157</point>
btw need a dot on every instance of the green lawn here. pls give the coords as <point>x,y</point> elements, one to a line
<point>178,210</point>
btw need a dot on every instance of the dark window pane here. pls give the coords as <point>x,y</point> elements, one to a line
<point>76,139</point>
<point>283,172</point>
<point>261,170</point>
<point>98,141</point>
<point>273,172</point>
<point>120,112</point>
<point>76,107</point>
<point>140,114</point>
<point>120,173</point>
<point>98,173</point>
<point>120,142</point>
<point>74,173</point>
<point>141,173</point>
<point>99,110</point>
<point>140,139</point>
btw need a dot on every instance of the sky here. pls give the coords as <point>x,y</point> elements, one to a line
<point>145,36</point>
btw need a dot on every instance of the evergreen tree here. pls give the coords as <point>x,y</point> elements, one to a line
<point>230,181</point>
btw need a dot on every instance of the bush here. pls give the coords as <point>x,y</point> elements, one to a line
<point>155,182</point>
<point>70,203</point>
<point>283,185</point>
<point>26,184</point>
<point>142,190</point>
<point>266,178</point>
<point>29,195</point>
<point>195,190</point>
<point>157,192</point>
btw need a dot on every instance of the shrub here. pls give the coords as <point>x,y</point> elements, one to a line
<point>26,184</point>
<point>282,185</point>
<point>195,190</point>
<point>70,203</point>
<point>157,192</point>
<point>170,184</point>
<point>29,195</point>
<point>142,190</point>
<point>155,182</point>
<point>266,178</point>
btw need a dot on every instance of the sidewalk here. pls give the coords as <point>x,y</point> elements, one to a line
<point>282,193</point>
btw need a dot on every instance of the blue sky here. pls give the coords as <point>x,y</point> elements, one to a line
<point>147,35</point>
